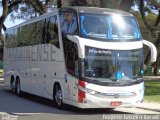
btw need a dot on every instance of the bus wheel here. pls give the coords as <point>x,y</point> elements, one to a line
<point>12,85</point>
<point>18,87</point>
<point>58,96</point>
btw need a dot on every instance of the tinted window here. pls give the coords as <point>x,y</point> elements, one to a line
<point>41,32</point>
<point>51,31</point>
<point>109,27</point>
<point>107,65</point>
<point>71,57</point>
<point>10,38</point>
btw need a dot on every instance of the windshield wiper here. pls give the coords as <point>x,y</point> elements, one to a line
<point>101,79</point>
<point>97,35</point>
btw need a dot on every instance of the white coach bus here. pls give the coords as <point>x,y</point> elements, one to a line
<point>83,56</point>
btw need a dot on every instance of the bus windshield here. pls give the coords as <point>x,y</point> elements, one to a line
<point>109,27</point>
<point>112,65</point>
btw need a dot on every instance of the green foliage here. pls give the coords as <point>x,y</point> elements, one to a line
<point>43,31</point>
<point>1,66</point>
<point>146,32</point>
<point>124,5</point>
<point>59,3</point>
<point>152,89</point>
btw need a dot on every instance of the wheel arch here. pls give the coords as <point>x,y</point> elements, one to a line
<point>54,88</point>
<point>59,83</point>
<point>17,78</point>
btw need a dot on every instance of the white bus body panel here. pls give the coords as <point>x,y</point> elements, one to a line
<point>93,101</point>
<point>37,66</point>
<point>102,101</point>
<point>40,66</point>
<point>41,75</point>
<point>82,42</point>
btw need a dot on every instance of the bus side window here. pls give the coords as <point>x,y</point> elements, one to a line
<point>44,31</point>
<point>34,34</point>
<point>52,31</point>
<point>39,32</point>
<point>7,39</point>
<point>23,36</point>
<point>11,38</point>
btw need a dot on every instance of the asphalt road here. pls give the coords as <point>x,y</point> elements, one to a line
<point>29,107</point>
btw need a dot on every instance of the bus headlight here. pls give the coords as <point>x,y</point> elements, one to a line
<point>86,90</point>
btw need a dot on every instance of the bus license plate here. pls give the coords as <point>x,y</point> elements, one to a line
<point>116,103</point>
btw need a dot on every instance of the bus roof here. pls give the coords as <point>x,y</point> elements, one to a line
<point>35,19</point>
<point>97,10</point>
<point>78,9</point>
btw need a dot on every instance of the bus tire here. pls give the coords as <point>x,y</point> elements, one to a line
<point>12,84</point>
<point>57,94</point>
<point>18,87</point>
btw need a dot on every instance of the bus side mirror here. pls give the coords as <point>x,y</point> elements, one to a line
<point>153,50</point>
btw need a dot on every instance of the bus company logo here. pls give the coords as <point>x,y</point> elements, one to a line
<point>116,95</point>
<point>99,51</point>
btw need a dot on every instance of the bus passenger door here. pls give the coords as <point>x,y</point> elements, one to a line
<point>68,26</point>
<point>71,64</point>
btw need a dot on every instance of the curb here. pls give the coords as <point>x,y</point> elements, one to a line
<point>156,110</point>
<point>151,78</point>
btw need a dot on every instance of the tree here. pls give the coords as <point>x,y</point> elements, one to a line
<point>78,3</point>
<point>115,4</point>
<point>124,5</point>
<point>21,7</point>
<point>64,3</point>
<point>26,9</point>
<point>153,28</point>
<point>8,7</point>
<point>33,8</point>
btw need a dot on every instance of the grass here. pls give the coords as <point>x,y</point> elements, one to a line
<point>152,91</point>
<point>1,72</point>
